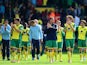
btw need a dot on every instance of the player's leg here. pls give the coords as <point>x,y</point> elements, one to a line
<point>81,55</point>
<point>68,50</point>
<point>47,52</point>
<point>52,55</point>
<point>8,49</point>
<point>18,54</point>
<point>22,50</point>
<point>13,51</point>
<point>80,49</point>
<point>38,49</point>
<point>60,46</point>
<point>72,42</point>
<point>53,49</point>
<point>50,50</point>
<point>85,50</point>
<point>3,49</point>
<point>29,49</point>
<point>56,52</point>
<point>25,50</point>
<point>13,54</point>
<point>84,54</point>
<point>33,45</point>
<point>18,45</point>
<point>47,49</point>
<point>69,55</point>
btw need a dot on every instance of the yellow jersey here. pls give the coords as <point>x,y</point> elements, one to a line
<point>69,34</point>
<point>15,34</point>
<point>60,35</point>
<point>82,32</point>
<point>25,35</point>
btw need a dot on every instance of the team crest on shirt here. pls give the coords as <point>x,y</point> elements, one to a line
<point>81,31</point>
<point>68,28</point>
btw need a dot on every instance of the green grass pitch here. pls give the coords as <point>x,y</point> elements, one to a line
<point>44,61</point>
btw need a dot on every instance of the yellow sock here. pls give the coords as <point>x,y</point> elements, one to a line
<point>55,53</point>
<point>26,54</point>
<point>48,54</point>
<point>52,55</point>
<point>23,53</point>
<point>84,55</point>
<point>0,54</point>
<point>69,55</point>
<point>19,56</point>
<point>81,56</point>
<point>13,55</point>
<point>29,51</point>
<point>60,56</point>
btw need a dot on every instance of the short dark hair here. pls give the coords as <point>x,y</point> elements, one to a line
<point>32,22</point>
<point>6,20</point>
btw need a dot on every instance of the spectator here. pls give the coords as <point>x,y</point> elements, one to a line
<point>82,12</point>
<point>23,12</point>
<point>57,15</point>
<point>63,16</point>
<point>70,11</point>
<point>39,2</point>
<point>34,2</point>
<point>44,16</point>
<point>69,2</point>
<point>2,10</point>
<point>9,13</point>
<point>78,11</point>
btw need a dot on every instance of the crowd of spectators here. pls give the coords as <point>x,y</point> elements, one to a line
<point>25,9</point>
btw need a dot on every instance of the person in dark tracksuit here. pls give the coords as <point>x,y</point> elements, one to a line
<point>5,31</point>
<point>36,37</point>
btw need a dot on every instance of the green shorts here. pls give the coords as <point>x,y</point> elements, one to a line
<point>82,43</point>
<point>51,44</point>
<point>69,43</point>
<point>59,45</point>
<point>15,43</point>
<point>25,44</point>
